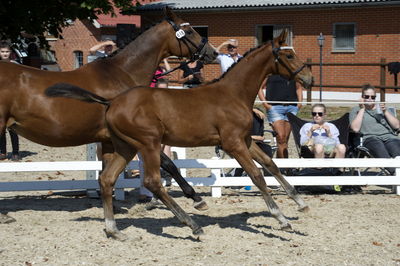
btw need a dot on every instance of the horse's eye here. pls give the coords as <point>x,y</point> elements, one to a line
<point>289,56</point>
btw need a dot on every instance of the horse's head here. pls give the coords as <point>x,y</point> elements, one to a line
<point>187,42</point>
<point>287,63</point>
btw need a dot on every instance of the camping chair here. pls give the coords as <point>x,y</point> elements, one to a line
<point>357,150</point>
<point>342,125</point>
<point>296,123</point>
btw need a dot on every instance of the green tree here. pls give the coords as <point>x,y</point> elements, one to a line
<point>36,17</point>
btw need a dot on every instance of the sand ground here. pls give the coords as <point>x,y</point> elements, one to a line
<point>67,229</point>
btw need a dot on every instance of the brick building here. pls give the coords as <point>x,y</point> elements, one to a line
<point>358,31</point>
<point>72,49</point>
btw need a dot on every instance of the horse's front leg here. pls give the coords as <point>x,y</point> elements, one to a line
<point>168,165</point>
<point>152,181</point>
<point>267,163</point>
<point>242,154</point>
<point>107,179</point>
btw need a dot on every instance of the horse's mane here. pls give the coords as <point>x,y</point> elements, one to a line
<point>240,59</point>
<point>125,45</point>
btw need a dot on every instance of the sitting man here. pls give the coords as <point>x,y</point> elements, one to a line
<point>377,125</point>
<point>322,138</point>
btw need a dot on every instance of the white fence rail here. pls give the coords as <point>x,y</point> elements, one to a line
<point>216,181</point>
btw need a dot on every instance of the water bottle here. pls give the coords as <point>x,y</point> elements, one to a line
<point>378,108</point>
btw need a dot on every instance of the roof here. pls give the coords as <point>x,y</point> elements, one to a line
<point>251,4</point>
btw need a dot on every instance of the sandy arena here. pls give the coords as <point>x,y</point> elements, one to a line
<point>61,229</point>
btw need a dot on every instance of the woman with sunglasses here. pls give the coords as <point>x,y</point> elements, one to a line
<point>377,126</point>
<point>322,138</point>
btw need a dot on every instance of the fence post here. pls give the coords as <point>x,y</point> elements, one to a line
<point>396,189</point>
<point>383,79</point>
<point>91,175</point>
<point>216,192</point>
<point>309,89</point>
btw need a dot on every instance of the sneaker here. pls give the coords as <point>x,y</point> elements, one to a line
<point>15,157</point>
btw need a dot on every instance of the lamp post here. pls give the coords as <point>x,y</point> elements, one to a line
<point>321,40</point>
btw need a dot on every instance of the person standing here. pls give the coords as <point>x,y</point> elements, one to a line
<point>5,53</point>
<point>278,88</point>
<point>102,49</point>
<point>191,74</point>
<point>231,57</point>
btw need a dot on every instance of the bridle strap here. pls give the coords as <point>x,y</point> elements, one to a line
<point>275,52</point>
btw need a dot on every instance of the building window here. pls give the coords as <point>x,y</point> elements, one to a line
<point>202,30</point>
<point>266,33</point>
<point>344,35</point>
<point>78,56</point>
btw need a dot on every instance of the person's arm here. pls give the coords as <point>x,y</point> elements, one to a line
<point>392,120</point>
<point>305,133</point>
<point>259,113</point>
<point>356,124</point>
<point>299,93</point>
<point>99,46</point>
<point>262,97</point>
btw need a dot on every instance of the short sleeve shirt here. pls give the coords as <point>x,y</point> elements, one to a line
<point>226,60</point>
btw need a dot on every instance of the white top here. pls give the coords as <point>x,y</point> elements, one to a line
<point>226,60</point>
<point>320,133</point>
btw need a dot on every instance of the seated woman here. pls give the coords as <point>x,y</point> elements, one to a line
<point>377,125</point>
<point>321,137</point>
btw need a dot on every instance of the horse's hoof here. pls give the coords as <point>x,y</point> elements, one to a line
<point>201,205</point>
<point>286,227</point>
<point>6,219</point>
<point>304,209</point>
<point>117,236</point>
<point>198,231</point>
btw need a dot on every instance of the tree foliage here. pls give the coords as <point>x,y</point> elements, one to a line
<point>36,17</point>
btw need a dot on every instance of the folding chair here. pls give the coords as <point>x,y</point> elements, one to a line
<point>357,150</point>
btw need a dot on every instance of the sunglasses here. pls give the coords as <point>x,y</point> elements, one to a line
<point>369,96</point>
<point>317,113</point>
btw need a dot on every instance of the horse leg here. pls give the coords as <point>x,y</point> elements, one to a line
<point>267,163</point>
<point>107,179</point>
<point>188,190</point>
<point>152,181</point>
<point>241,153</point>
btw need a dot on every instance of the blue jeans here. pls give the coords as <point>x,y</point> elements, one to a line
<point>279,112</point>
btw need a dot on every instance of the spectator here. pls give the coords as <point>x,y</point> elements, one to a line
<point>226,60</point>
<point>278,88</point>
<point>5,52</point>
<point>257,134</point>
<point>321,137</point>
<point>159,71</point>
<point>103,49</point>
<point>377,125</point>
<point>191,74</point>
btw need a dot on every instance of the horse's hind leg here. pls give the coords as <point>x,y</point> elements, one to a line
<point>241,153</point>
<point>188,190</point>
<point>107,181</point>
<point>267,163</point>
<point>152,181</point>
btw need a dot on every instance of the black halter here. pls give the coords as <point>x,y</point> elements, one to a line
<point>275,52</point>
<point>181,36</point>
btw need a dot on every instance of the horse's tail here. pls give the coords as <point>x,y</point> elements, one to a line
<point>71,91</point>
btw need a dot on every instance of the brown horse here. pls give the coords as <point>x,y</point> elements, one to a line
<point>218,113</point>
<point>60,123</point>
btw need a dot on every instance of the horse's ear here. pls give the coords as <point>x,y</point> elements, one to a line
<point>282,37</point>
<point>169,14</point>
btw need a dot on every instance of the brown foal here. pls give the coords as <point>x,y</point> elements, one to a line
<point>217,113</point>
<point>65,122</point>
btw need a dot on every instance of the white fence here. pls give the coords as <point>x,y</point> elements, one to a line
<point>215,182</point>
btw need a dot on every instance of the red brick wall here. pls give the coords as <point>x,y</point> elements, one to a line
<point>78,37</point>
<point>377,36</point>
